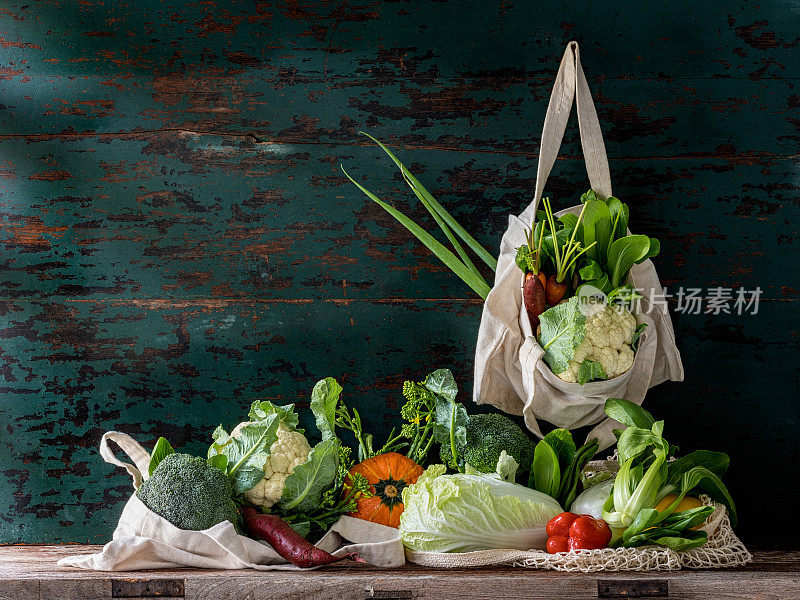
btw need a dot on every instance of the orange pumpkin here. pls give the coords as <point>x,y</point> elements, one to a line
<point>387,475</point>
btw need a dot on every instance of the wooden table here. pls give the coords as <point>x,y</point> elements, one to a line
<point>30,572</point>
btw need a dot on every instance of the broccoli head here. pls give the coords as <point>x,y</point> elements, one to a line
<point>487,437</point>
<point>189,493</point>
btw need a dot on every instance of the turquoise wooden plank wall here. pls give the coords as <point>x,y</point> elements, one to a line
<point>178,239</point>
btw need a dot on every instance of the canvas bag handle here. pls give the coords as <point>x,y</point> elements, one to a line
<point>570,84</point>
<point>139,471</point>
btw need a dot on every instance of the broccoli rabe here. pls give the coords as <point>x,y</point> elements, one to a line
<point>487,437</point>
<point>189,493</point>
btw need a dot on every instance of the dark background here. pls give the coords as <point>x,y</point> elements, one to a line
<point>178,239</point>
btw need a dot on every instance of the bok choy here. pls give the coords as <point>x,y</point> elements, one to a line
<point>646,476</point>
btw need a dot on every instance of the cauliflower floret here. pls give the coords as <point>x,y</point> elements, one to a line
<point>609,333</point>
<point>290,450</point>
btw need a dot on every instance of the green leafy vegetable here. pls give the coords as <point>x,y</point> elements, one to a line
<point>628,413</point>
<point>645,476</point>
<point>442,383</point>
<point>306,484</point>
<point>462,513</point>
<point>605,224</point>
<point>247,452</point>
<point>590,370</point>
<point>591,271</point>
<point>260,411</point>
<point>597,229</point>
<point>565,252</point>
<point>562,330</point>
<point>461,265</point>
<point>624,253</point>
<point>545,470</point>
<point>558,464</point>
<point>161,450</point>
<point>324,400</point>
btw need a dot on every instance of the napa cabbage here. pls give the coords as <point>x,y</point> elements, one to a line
<point>466,512</point>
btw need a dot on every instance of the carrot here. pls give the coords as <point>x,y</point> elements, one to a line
<point>543,278</point>
<point>555,290</point>
<point>534,297</point>
<point>286,541</point>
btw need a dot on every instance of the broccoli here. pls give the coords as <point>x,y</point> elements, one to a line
<point>189,493</point>
<point>487,437</point>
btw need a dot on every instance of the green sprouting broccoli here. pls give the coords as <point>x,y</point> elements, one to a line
<point>189,493</point>
<point>487,437</point>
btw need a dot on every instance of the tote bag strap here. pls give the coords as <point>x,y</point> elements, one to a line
<point>571,85</point>
<point>139,470</point>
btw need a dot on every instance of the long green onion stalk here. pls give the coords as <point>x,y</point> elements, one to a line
<point>458,262</point>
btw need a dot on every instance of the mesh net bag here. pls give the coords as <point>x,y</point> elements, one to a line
<point>723,549</point>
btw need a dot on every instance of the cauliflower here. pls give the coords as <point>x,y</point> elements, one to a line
<point>290,450</point>
<point>609,333</point>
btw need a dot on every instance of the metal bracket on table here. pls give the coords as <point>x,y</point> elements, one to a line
<point>147,588</point>
<point>632,588</point>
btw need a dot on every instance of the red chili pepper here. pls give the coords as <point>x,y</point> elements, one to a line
<point>569,531</point>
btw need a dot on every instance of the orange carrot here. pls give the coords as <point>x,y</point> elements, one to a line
<point>554,290</point>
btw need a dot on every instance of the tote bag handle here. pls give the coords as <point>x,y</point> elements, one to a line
<point>571,85</point>
<point>139,471</point>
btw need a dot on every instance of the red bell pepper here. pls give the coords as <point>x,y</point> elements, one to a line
<point>569,531</point>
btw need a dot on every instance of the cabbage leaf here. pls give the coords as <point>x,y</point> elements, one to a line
<point>462,513</point>
<point>563,329</point>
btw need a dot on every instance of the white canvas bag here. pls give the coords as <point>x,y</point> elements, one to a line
<point>510,372</point>
<point>145,540</point>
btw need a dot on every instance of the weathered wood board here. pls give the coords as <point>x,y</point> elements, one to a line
<point>178,238</point>
<point>31,573</point>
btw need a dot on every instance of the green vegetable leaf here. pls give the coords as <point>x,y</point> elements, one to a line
<point>628,413</point>
<point>247,452</point>
<point>636,335</point>
<point>467,275</point>
<point>450,426</point>
<point>597,226</point>
<point>262,410</point>
<point>563,445</point>
<point>570,221</point>
<point>218,461</point>
<point>588,196</point>
<point>545,470</point>
<point>434,208</point>
<point>324,399</point>
<point>634,442</point>
<point>590,370</point>
<point>716,462</point>
<point>523,258</point>
<point>708,482</point>
<point>161,450</point>
<point>304,487</point>
<point>619,217</point>
<point>443,383</point>
<point>686,519</point>
<point>602,283</point>
<point>692,539</point>
<point>563,329</point>
<point>623,254</point>
<point>655,249</point>
<point>592,270</point>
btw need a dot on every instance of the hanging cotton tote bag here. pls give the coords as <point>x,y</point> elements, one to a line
<point>145,540</point>
<point>510,372</point>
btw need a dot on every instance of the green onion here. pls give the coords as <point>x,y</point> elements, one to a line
<point>461,265</point>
